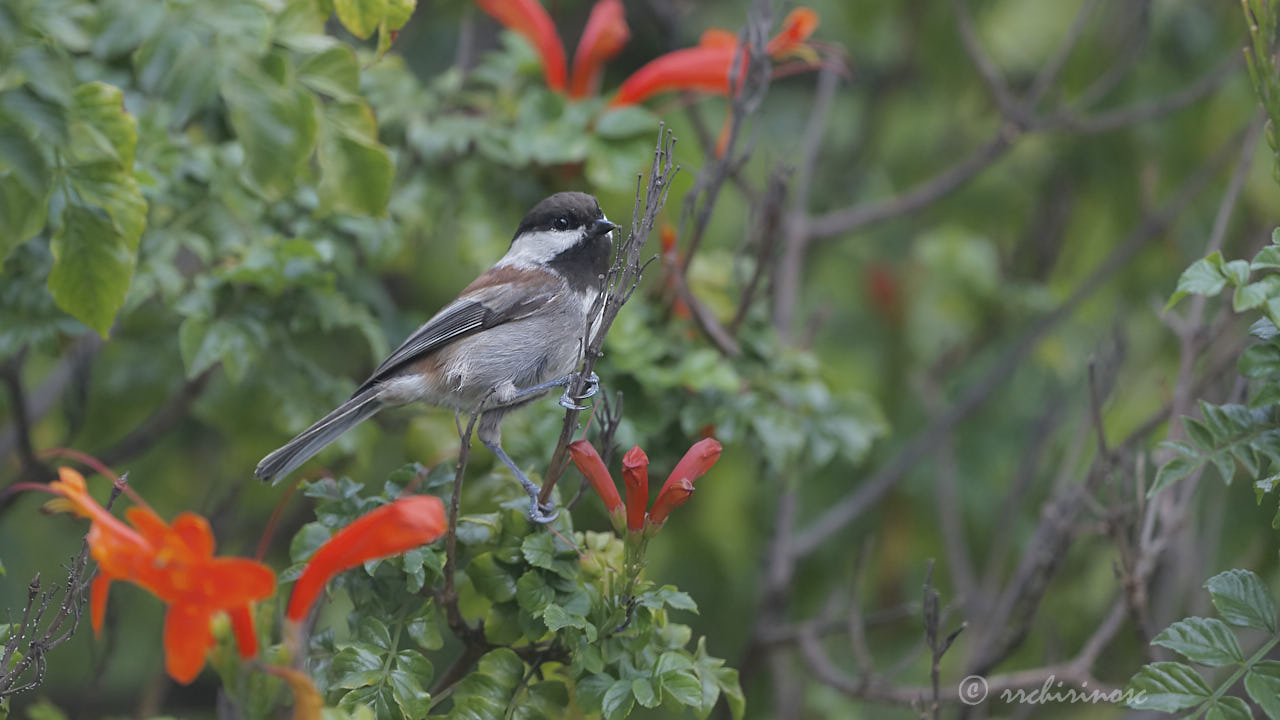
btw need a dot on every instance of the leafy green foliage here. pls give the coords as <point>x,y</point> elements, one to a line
<point>535,595</point>
<point>1233,437</point>
<point>1243,601</point>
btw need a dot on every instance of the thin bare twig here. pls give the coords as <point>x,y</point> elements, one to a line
<point>620,283</point>
<point>870,491</point>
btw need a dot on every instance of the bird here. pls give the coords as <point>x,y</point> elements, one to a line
<point>512,335</point>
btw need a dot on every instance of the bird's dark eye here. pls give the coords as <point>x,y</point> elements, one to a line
<point>561,223</point>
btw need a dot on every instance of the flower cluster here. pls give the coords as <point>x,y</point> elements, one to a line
<point>175,562</point>
<point>635,476</point>
<point>706,68</point>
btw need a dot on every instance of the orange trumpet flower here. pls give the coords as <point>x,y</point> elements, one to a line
<point>707,67</point>
<point>175,563</point>
<point>394,528</point>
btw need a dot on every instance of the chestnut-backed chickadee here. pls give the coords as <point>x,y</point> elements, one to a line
<point>512,335</point>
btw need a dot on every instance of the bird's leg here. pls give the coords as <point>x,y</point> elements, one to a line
<point>566,400</point>
<point>538,512</point>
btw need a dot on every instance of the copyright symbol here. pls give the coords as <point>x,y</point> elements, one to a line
<point>973,690</point>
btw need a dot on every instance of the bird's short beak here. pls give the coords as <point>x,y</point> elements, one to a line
<point>601,227</point>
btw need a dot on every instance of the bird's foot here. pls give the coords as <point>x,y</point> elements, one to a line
<point>571,402</point>
<point>541,513</point>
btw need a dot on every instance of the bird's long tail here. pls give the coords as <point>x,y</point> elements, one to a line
<point>302,448</point>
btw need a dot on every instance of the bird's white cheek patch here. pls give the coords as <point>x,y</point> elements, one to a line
<point>540,247</point>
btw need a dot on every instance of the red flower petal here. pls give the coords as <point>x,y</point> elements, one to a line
<point>635,475</point>
<point>589,464</point>
<point>531,21</point>
<point>796,28</point>
<point>187,638</point>
<point>703,69</point>
<point>98,600</point>
<point>389,530</point>
<point>242,626</point>
<point>673,495</point>
<point>602,38</point>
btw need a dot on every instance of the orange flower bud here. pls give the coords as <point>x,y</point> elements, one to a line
<point>635,475</point>
<point>592,467</point>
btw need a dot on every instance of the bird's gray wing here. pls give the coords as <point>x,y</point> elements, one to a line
<point>473,311</point>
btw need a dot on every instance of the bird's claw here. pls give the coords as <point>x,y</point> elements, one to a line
<point>570,402</point>
<point>542,514</point>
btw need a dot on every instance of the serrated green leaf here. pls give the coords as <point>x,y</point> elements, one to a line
<point>532,592</point>
<point>1262,682</point>
<point>1243,600</point>
<point>1229,708</point>
<point>557,618</point>
<point>1205,641</point>
<point>399,12</point>
<point>1166,687</point>
<point>539,550</point>
<point>376,698</point>
<point>1260,361</point>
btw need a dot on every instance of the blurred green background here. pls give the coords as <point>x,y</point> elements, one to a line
<point>261,308</point>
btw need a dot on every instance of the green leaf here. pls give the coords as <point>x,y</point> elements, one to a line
<point>1229,708</point>
<point>275,123</point>
<point>22,214</point>
<point>425,628</point>
<point>356,667</point>
<point>1206,641</point>
<point>491,579</point>
<point>233,341</point>
<point>1236,272</point>
<point>360,17</point>
<point>643,692</point>
<point>618,700</point>
<point>683,687</point>
<point>1203,277</point>
<point>1263,685</point>
<point>1260,361</point>
<point>532,592</point>
<point>1267,258</point>
<point>93,264</point>
<point>539,550</point>
<point>377,698</point>
<point>1166,687</point>
<point>590,691</point>
<point>357,171</point>
<point>558,618</point>
<point>1243,600</point>
<point>486,692</point>
<point>398,13</point>
<point>334,72</point>
<point>411,674</point>
<point>626,121</point>
<point>1256,294</point>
